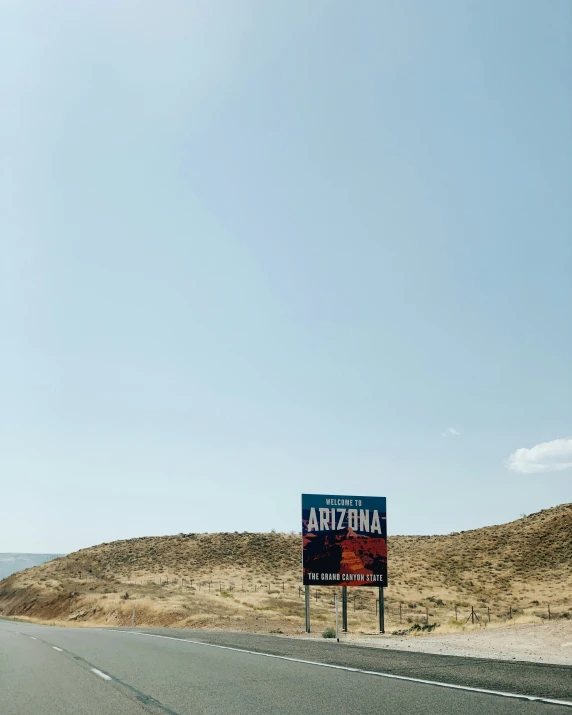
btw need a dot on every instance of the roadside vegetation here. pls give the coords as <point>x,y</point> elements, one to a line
<point>509,574</point>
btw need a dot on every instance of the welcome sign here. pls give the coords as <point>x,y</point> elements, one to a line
<point>344,540</point>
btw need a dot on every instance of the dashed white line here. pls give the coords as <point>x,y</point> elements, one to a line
<point>58,649</point>
<point>34,639</point>
<point>101,675</point>
<point>391,676</point>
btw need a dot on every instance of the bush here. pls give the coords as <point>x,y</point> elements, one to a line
<point>436,601</point>
<point>329,633</point>
<point>425,627</point>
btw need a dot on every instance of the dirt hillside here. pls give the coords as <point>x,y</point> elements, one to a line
<point>252,581</point>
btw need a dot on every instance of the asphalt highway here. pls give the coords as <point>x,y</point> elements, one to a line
<point>85,671</point>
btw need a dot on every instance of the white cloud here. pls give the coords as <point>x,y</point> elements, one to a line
<point>450,431</point>
<point>544,457</point>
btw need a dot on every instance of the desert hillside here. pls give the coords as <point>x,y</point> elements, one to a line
<point>252,581</point>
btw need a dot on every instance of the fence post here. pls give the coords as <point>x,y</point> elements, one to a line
<point>307,607</point>
<point>456,612</point>
<point>510,611</point>
<point>400,612</point>
<point>548,611</point>
<point>489,613</point>
<point>426,614</point>
<point>472,615</point>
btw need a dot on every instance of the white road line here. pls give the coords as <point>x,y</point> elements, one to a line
<point>101,675</point>
<point>391,676</point>
<point>58,649</point>
<point>34,639</point>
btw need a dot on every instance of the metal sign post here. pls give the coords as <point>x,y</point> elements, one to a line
<point>337,622</point>
<point>381,611</point>
<point>345,609</point>
<point>307,604</point>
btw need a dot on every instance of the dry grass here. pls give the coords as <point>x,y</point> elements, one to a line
<point>251,582</point>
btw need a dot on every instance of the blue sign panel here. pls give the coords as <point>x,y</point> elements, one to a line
<point>344,540</point>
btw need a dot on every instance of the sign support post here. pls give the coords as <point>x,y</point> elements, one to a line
<point>345,609</point>
<point>307,606</point>
<point>337,622</point>
<point>381,611</point>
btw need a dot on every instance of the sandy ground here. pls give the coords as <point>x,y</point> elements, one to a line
<point>541,643</point>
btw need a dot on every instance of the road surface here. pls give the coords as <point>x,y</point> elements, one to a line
<point>89,671</point>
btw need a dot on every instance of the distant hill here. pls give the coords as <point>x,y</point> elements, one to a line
<point>251,581</point>
<point>10,563</point>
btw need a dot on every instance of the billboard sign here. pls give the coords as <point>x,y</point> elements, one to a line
<point>344,540</point>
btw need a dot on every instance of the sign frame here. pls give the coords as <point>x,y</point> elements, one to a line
<point>344,540</point>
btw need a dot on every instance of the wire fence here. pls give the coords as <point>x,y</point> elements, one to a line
<point>51,557</point>
<point>400,614</point>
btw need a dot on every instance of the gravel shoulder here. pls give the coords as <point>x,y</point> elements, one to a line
<point>537,643</point>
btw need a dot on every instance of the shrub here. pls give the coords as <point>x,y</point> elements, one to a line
<point>423,627</point>
<point>436,601</point>
<point>329,633</point>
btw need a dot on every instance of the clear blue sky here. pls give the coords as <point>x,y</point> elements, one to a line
<point>251,249</point>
